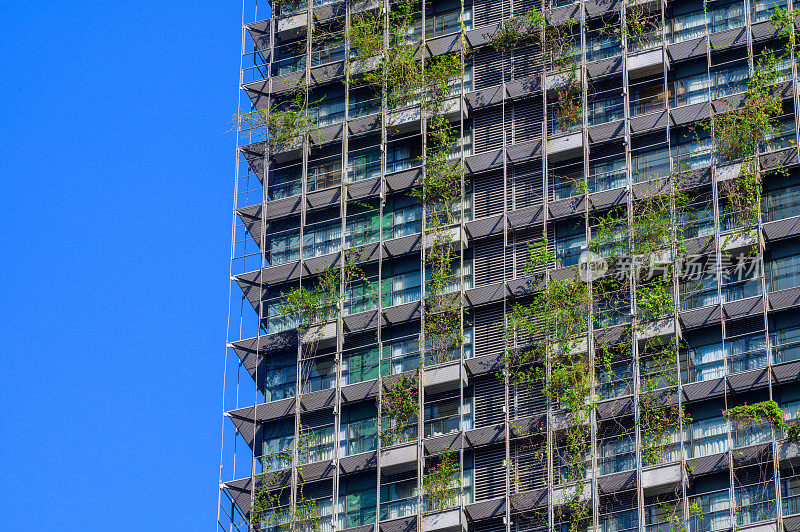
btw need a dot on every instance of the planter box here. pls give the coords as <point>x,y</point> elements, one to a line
<point>562,494</point>
<point>324,333</point>
<point>448,520</point>
<point>359,66</point>
<point>738,240</point>
<point>444,377</point>
<point>649,60</point>
<point>664,477</point>
<point>453,235</point>
<point>291,24</point>
<point>655,329</point>
<point>727,171</point>
<point>402,457</point>
<point>565,145</point>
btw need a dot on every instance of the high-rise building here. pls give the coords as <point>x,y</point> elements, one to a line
<point>502,265</point>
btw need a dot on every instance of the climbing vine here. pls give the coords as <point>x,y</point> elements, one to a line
<point>442,482</point>
<point>764,412</point>
<point>400,408</point>
<point>286,123</point>
<point>268,508</point>
<point>517,31</point>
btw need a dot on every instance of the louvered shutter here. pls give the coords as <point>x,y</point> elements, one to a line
<point>489,400</point>
<point>487,194</point>
<point>488,129</point>
<point>490,477</point>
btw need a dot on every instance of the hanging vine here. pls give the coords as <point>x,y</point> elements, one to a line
<point>268,509</point>
<point>442,482</point>
<point>400,408</point>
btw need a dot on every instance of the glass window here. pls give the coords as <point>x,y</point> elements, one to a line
<point>360,365</point>
<point>709,436</point>
<point>321,239</point>
<point>364,165</point>
<point>707,362</point>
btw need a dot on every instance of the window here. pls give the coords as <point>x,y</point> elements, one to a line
<point>617,455</point>
<point>284,247</point>
<point>707,362</point>
<point>399,497</point>
<point>606,175</point>
<point>358,431</point>
<point>691,155</point>
<point>747,352</point>
<point>785,344</point>
<point>401,157</point>
<point>276,449</point>
<point>359,365</point>
<point>781,203</point>
<point>277,321</point>
<point>284,183</point>
<point>688,26</point>
<point>569,249</point>
<point>709,436</point>
<point>328,51</point>
<point>647,98</point>
<point>357,501</point>
<point>280,378</point>
<point>691,89</point>
<point>321,239</point>
<point>443,415</point>
<point>399,356</point>
<point>364,165</point>
<point>715,512</point>
<point>783,272</point>
<point>699,292</point>
<point>361,295</point>
<point>602,44</point>
<point>362,229</point>
<point>318,374</point>
<point>790,487</point>
<point>605,110</point>
<point>650,164</point>
<point>363,104</point>
<point>401,288</point>
<point>403,220</point>
<point>615,381</point>
<point>317,444</point>
<point>323,175</point>
<point>755,502</point>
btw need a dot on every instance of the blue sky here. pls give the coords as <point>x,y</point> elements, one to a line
<point>115,220</point>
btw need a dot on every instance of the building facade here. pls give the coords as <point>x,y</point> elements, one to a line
<point>500,265</point>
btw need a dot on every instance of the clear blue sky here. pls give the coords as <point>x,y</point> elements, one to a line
<point>115,223</point>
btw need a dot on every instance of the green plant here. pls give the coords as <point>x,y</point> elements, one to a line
<point>765,411</point>
<point>517,31</point>
<point>442,482</point>
<point>569,108</point>
<point>400,407</point>
<point>268,508</point>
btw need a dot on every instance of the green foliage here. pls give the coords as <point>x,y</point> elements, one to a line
<point>517,31</point>
<point>657,425</point>
<point>366,34</point>
<point>314,306</point>
<point>400,408</point>
<point>284,124</point>
<point>442,482</point>
<point>569,108</point>
<point>765,411</point>
<point>266,508</point>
